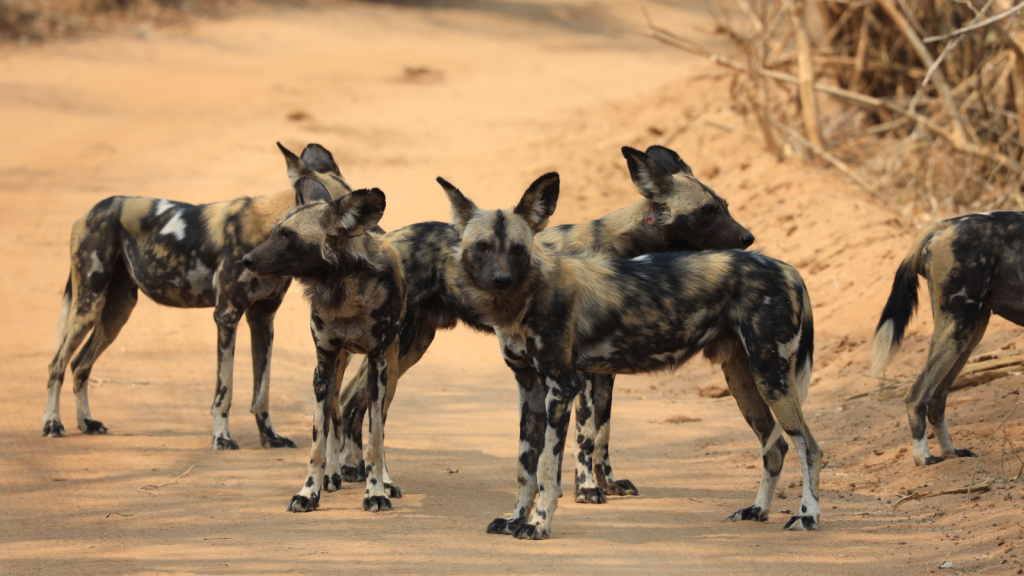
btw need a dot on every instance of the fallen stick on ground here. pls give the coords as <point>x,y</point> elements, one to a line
<point>155,486</point>
<point>983,487</point>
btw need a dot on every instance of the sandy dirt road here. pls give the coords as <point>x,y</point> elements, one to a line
<point>510,90</point>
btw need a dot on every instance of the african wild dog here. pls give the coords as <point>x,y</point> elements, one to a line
<point>356,291</point>
<point>557,314</point>
<point>678,212</point>
<point>974,265</point>
<point>184,256</point>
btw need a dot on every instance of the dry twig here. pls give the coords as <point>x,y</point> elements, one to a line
<point>983,487</point>
<point>147,487</point>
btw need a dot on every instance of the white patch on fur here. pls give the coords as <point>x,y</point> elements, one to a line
<point>767,300</point>
<point>787,349</point>
<point>803,380</point>
<point>198,278</point>
<point>921,451</point>
<point>961,294</point>
<point>175,227</point>
<point>942,434</point>
<point>808,503</point>
<point>162,206</point>
<point>348,220</point>
<point>884,349</point>
<point>97,264</point>
<point>766,490</point>
<point>642,258</point>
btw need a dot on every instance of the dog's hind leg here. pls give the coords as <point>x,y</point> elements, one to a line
<point>93,256</point>
<point>955,336</point>
<point>587,490</point>
<point>777,380</point>
<point>75,325</point>
<point>121,297</point>
<point>602,390</point>
<point>260,317</point>
<point>325,389</point>
<point>227,317</point>
<point>937,405</point>
<point>758,415</point>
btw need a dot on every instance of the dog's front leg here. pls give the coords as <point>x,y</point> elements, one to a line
<point>227,317</point>
<point>325,385</point>
<point>261,328</point>
<point>332,475</point>
<point>531,439</point>
<point>561,387</point>
<point>375,498</point>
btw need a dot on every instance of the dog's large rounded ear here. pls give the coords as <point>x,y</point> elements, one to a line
<point>355,213</point>
<point>539,201</point>
<point>309,190</point>
<point>294,163</point>
<point>463,208</point>
<point>647,174</point>
<point>318,158</point>
<point>669,160</point>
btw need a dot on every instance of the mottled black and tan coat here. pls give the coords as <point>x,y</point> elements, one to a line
<point>557,314</point>
<point>356,289</point>
<point>677,212</point>
<point>974,265</point>
<point>185,256</point>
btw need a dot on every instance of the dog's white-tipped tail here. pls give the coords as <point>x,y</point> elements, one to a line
<point>65,314</point>
<point>884,348</point>
<point>772,438</point>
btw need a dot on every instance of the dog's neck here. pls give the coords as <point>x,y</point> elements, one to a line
<point>633,230</point>
<point>350,259</point>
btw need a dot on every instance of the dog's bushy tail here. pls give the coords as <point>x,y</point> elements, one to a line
<point>900,307</point>
<point>65,313</point>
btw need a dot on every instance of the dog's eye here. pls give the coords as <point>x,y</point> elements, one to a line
<point>285,233</point>
<point>482,246</point>
<point>709,209</point>
<point>517,249</point>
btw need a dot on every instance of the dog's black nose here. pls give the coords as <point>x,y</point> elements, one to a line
<point>502,281</point>
<point>747,239</point>
<point>247,260</point>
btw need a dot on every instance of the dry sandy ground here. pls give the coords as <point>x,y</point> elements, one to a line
<point>515,89</point>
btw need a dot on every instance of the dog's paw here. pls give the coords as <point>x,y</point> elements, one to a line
<point>302,503</point>
<point>93,427</point>
<point>354,473</point>
<point>590,496</point>
<point>224,443</point>
<point>502,526</point>
<point>53,429</point>
<point>801,522</point>
<point>393,490</point>
<point>376,504</point>
<point>621,488</point>
<point>332,483</point>
<point>965,453</point>
<point>749,513</point>
<point>933,460</point>
<point>531,532</point>
<point>276,441</point>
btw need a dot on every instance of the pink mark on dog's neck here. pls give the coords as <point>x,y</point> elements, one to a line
<point>650,220</point>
